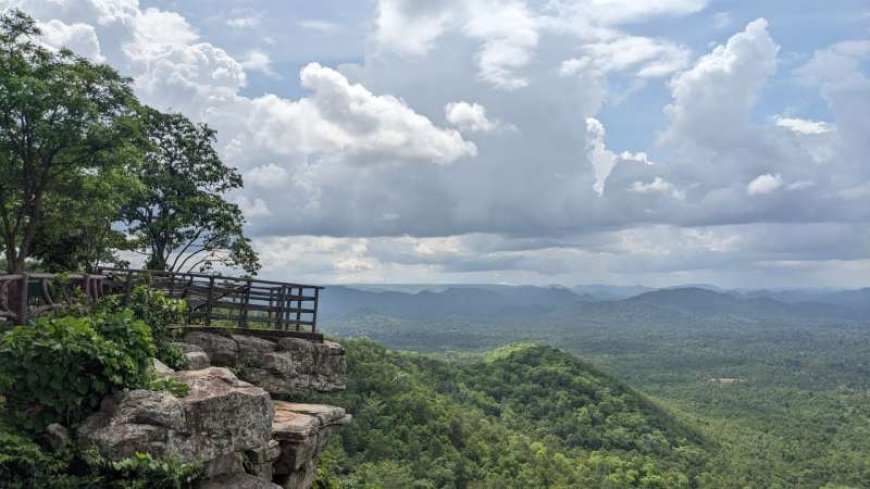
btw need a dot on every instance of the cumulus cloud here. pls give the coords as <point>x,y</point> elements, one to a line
<point>712,100</point>
<point>267,176</point>
<point>258,60</point>
<point>469,117</point>
<point>343,120</point>
<point>658,184</point>
<point>764,184</point>
<point>803,126</point>
<point>506,30</point>
<point>355,177</point>
<point>645,57</point>
<point>78,37</point>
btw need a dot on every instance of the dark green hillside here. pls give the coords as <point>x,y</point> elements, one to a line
<point>524,416</point>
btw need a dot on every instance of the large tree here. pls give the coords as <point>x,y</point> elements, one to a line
<point>181,217</point>
<point>63,120</point>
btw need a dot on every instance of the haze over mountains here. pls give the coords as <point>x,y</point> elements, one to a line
<point>426,302</point>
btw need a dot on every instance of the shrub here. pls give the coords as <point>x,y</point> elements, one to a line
<point>22,459</point>
<point>142,471</point>
<point>159,312</point>
<point>24,465</point>
<point>58,369</point>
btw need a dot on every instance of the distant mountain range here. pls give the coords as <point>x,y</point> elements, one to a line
<point>595,300</point>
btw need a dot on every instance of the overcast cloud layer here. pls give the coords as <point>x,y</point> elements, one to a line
<point>558,141</point>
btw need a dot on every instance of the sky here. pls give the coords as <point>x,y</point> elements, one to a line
<point>565,142</point>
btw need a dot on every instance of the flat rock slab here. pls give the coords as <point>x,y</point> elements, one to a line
<point>326,414</point>
<point>294,421</point>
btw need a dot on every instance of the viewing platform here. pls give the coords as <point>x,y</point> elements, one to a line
<point>264,307</point>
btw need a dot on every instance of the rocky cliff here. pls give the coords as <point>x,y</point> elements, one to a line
<point>245,438</point>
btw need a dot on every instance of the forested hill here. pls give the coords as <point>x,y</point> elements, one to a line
<point>521,416</point>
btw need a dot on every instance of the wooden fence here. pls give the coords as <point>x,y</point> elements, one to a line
<point>212,300</point>
<point>25,295</point>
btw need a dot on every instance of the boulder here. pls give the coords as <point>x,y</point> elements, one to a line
<point>219,416</point>
<point>197,360</point>
<point>161,368</point>
<point>222,351</point>
<point>58,437</point>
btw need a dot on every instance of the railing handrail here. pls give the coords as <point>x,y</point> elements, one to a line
<point>243,300</point>
<point>208,276</point>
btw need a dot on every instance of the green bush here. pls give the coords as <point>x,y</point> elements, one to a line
<point>24,465</point>
<point>142,471</point>
<point>58,369</point>
<point>22,459</point>
<point>159,312</point>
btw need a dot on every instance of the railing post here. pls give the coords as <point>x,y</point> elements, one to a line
<point>299,309</point>
<point>314,314</point>
<point>243,318</point>
<point>208,303</point>
<point>282,307</point>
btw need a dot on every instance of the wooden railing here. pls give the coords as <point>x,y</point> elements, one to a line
<point>214,300</point>
<point>25,295</point>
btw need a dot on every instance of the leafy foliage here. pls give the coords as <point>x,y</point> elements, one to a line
<point>422,422</point>
<point>24,465</point>
<point>160,312</point>
<point>796,415</point>
<point>180,215</point>
<point>22,459</point>
<point>63,120</point>
<point>58,369</point>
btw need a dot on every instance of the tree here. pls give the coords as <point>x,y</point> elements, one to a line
<point>181,217</point>
<point>63,119</point>
<point>80,230</point>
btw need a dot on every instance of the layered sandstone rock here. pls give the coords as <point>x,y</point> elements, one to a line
<point>302,430</point>
<point>219,416</point>
<point>285,368</point>
<point>244,439</point>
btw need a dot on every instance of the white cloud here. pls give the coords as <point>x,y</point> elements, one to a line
<point>321,26</point>
<point>244,22</point>
<point>764,184</point>
<point>803,126</point>
<point>79,37</point>
<point>469,117</point>
<point>267,176</point>
<point>609,13</point>
<point>838,64</point>
<point>252,208</point>
<point>506,29</point>
<point>362,151</point>
<point>509,35</point>
<point>660,185</point>
<point>345,121</point>
<point>643,56</point>
<point>258,60</point>
<point>602,159</point>
<point>715,96</point>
